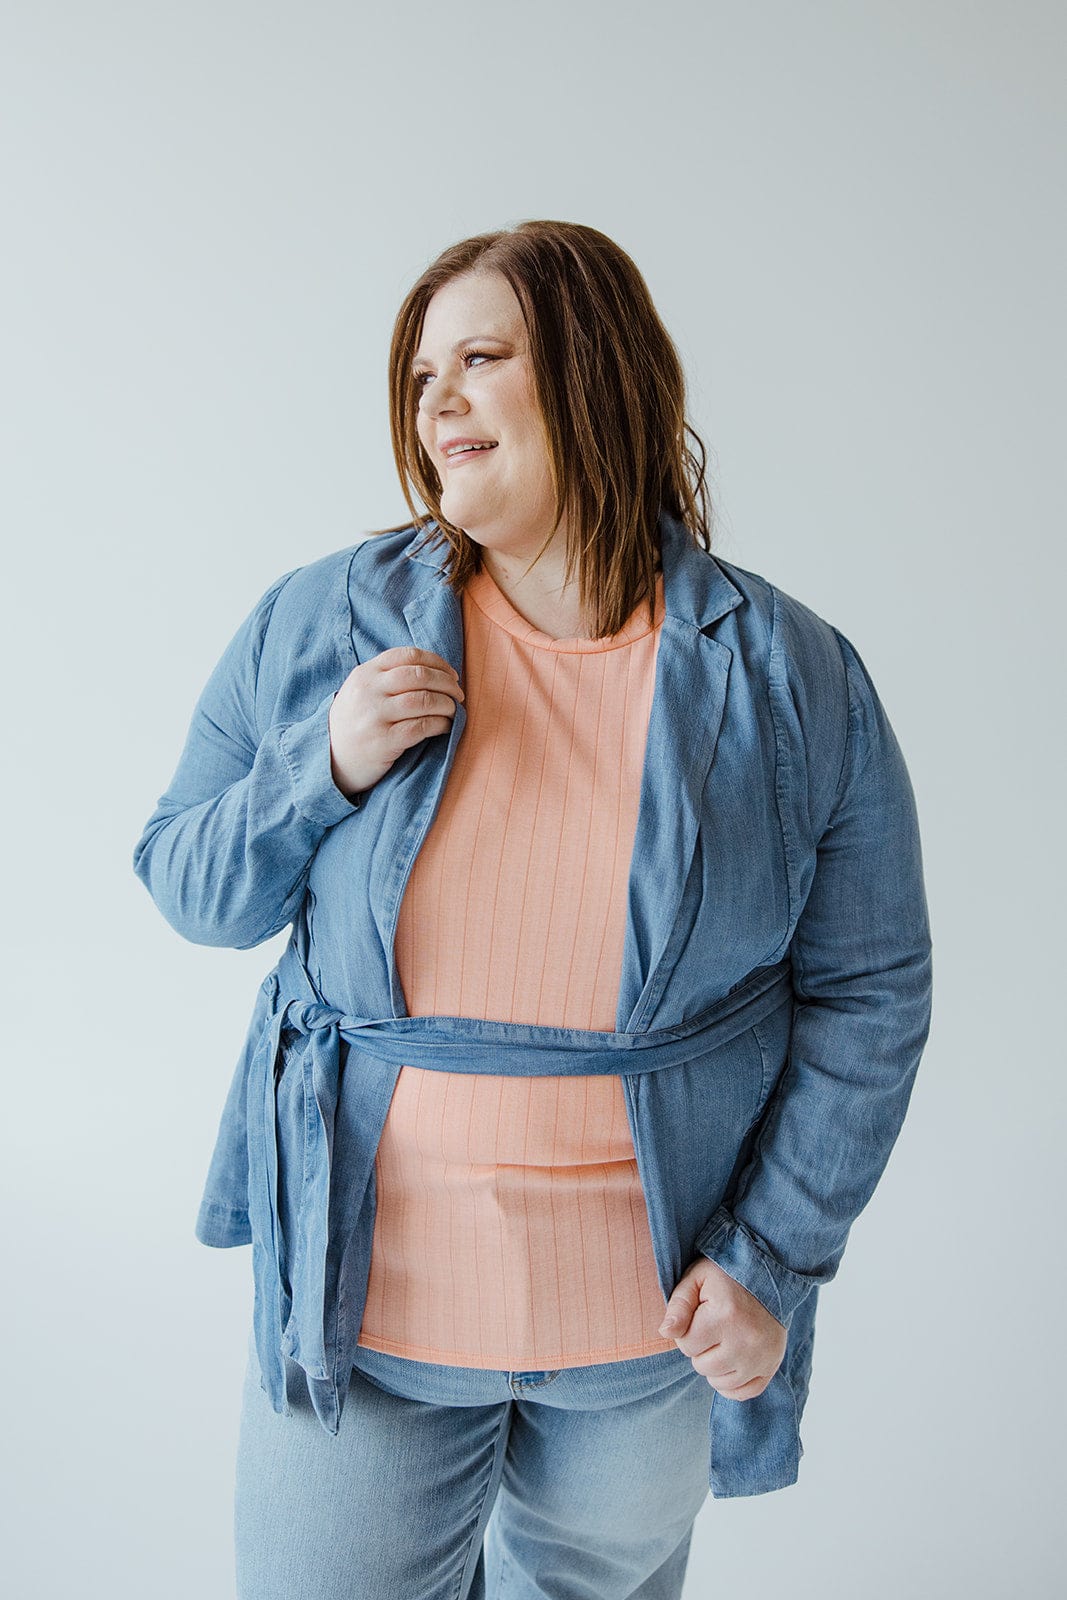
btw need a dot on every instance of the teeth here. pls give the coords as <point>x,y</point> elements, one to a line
<point>463,448</point>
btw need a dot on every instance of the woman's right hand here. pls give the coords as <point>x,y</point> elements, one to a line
<point>384,706</point>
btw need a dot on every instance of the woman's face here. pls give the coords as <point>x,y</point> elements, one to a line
<point>475,382</point>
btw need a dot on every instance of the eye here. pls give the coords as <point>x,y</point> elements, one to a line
<point>465,355</point>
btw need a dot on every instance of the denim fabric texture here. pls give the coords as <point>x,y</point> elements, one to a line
<point>775,994</point>
<point>452,1483</point>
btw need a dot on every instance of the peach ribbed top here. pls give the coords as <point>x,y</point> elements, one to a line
<point>511,1229</point>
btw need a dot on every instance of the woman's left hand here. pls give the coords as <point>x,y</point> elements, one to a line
<point>731,1338</point>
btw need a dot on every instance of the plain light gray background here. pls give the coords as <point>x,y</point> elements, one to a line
<point>850,217</point>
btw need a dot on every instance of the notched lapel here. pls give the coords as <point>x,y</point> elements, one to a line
<point>688,704</point>
<point>692,672</point>
<point>435,622</point>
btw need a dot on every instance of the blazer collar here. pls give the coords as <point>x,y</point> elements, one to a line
<point>695,587</point>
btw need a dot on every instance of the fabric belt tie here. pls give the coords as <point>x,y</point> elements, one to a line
<point>291,1310</point>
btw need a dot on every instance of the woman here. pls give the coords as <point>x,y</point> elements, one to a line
<point>607,980</point>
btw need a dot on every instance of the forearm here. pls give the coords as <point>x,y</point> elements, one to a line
<point>231,870</point>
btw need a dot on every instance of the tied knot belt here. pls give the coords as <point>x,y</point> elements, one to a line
<point>293,1087</point>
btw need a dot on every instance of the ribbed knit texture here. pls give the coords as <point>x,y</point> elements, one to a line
<point>511,1230</point>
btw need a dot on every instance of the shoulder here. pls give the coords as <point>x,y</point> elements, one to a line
<point>318,592</point>
<point>828,712</point>
<point>818,662</point>
<point>804,662</point>
<point>304,619</point>
<point>794,638</point>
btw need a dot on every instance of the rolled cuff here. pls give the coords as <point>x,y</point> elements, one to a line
<point>221,1226</point>
<point>305,746</point>
<point>739,1252</point>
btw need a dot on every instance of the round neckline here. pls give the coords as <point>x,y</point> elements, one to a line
<point>491,600</point>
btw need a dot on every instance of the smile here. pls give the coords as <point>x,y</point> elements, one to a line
<point>467,452</point>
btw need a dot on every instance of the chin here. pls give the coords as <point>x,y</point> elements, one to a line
<point>463,516</point>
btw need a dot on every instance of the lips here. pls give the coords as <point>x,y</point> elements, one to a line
<point>456,451</point>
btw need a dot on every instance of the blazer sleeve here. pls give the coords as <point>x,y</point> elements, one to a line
<point>225,855</point>
<point>861,955</point>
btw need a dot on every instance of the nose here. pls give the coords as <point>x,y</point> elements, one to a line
<point>442,394</point>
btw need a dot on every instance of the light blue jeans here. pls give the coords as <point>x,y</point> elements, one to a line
<point>583,1483</point>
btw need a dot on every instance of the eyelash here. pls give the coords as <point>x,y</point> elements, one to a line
<point>464,354</point>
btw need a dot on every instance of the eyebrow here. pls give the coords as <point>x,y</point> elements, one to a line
<point>475,338</point>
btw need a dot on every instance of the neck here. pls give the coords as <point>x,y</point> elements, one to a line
<point>540,595</point>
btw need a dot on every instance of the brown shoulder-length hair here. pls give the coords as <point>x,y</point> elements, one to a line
<point>612,395</point>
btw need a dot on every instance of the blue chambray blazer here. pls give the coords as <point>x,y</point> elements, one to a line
<point>775,991</point>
